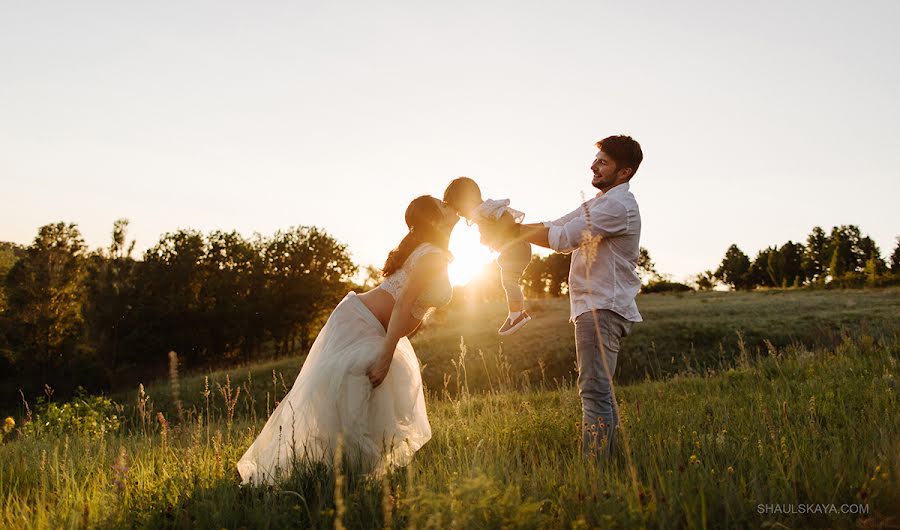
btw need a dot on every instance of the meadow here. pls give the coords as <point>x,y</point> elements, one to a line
<point>739,410</point>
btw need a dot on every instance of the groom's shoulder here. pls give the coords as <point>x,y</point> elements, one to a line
<point>622,196</point>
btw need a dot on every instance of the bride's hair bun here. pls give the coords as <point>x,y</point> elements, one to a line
<point>423,215</point>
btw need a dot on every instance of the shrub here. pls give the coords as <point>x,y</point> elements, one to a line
<point>85,415</point>
<point>663,286</point>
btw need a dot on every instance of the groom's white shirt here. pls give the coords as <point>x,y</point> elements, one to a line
<point>613,221</point>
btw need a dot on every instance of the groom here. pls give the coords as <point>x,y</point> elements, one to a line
<point>604,236</point>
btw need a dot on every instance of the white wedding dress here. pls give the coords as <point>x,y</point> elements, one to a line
<point>332,395</point>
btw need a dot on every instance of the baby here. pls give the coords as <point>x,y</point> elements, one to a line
<point>497,223</point>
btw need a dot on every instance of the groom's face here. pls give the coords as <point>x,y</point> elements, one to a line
<point>604,169</point>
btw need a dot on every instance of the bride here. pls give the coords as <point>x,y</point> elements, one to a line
<point>361,380</point>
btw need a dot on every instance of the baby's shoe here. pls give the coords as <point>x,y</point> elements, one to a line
<point>513,325</point>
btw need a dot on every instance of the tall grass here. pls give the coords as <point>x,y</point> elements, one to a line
<point>797,426</point>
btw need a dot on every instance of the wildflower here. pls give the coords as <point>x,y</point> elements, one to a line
<point>8,424</point>
<point>120,469</point>
<point>730,470</point>
<point>694,460</point>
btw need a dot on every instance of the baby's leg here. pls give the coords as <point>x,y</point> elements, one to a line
<point>513,261</point>
<point>515,297</point>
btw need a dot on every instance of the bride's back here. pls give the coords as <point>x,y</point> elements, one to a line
<point>380,300</point>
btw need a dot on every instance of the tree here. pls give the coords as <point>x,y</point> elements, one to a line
<point>233,277</point>
<point>870,251</point>
<point>874,271</point>
<point>705,281</point>
<point>786,265</point>
<point>171,277</point>
<point>646,269</point>
<point>816,255</point>
<point>9,254</point>
<point>307,273</point>
<point>895,258</point>
<point>557,273</point>
<point>45,290</point>
<point>761,273</point>
<point>372,277</point>
<point>534,279</point>
<point>734,269</point>
<point>110,290</point>
<point>848,251</point>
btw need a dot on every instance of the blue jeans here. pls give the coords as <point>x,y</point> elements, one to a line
<point>597,336</point>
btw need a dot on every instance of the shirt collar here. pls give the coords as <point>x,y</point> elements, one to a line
<point>621,188</point>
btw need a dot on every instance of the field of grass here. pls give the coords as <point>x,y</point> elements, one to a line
<point>691,333</point>
<point>807,421</point>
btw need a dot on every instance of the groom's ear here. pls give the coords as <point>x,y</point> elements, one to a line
<point>626,173</point>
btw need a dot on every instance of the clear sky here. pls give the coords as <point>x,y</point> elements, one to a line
<point>758,120</point>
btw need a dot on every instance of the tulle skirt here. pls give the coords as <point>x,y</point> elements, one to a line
<point>332,397</point>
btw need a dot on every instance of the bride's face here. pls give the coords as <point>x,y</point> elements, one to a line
<point>450,217</point>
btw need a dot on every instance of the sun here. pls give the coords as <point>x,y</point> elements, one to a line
<point>469,255</point>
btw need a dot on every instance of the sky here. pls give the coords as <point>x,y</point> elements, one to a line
<point>758,120</point>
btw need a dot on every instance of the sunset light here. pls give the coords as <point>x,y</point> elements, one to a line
<point>469,255</point>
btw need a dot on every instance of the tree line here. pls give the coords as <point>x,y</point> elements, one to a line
<point>218,298</point>
<point>214,299</point>
<point>843,257</point>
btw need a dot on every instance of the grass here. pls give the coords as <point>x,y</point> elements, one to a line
<point>681,333</point>
<point>812,419</point>
<point>690,333</point>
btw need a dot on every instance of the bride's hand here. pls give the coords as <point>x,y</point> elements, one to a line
<point>379,370</point>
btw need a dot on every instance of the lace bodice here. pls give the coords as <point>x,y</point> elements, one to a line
<point>436,294</point>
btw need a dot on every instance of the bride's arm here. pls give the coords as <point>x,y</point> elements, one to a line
<point>402,322</point>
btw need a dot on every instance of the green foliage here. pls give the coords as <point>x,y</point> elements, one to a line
<point>845,258</point>
<point>850,251</point>
<point>214,298</point>
<point>735,269</point>
<point>9,254</point>
<point>664,286</point>
<point>646,269</point>
<point>786,265</point>
<point>112,291</point>
<point>816,255</point>
<point>546,276</point>
<point>799,426</point>
<point>761,274</point>
<point>895,259</point>
<point>705,281</point>
<point>534,278</point>
<point>84,415</point>
<point>45,289</point>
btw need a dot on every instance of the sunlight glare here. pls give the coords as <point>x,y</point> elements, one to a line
<point>469,255</point>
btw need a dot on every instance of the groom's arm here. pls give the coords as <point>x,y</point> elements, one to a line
<point>539,233</point>
<point>536,234</point>
<point>606,219</point>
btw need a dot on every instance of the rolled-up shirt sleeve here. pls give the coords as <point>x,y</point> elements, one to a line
<point>605,219</point>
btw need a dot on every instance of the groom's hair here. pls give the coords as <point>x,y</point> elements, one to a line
<point>460,188</point>
<point>624,150</point>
